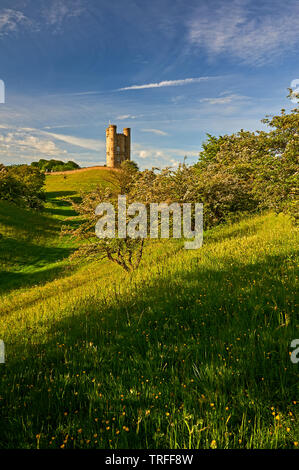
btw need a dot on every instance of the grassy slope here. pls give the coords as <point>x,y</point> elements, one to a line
<point>192,350</point>
<point>31,249</point>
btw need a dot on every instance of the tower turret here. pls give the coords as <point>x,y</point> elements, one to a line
<point>118,146</point>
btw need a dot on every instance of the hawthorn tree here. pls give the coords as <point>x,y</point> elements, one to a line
<point>126,252</point>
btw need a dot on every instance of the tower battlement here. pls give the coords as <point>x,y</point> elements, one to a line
<point>118,146</point>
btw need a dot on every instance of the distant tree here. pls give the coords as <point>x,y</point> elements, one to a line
<point>55,165</point>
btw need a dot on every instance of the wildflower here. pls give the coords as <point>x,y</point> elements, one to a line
<point>147,412</point>
<point>213,444</point>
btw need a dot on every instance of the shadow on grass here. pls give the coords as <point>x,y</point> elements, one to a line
<point>21,219</point>
<point>160,331</point>
<point>16,280</point>
<point>18,255</point>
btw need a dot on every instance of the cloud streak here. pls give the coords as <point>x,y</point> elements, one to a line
<point>165,83</point>
<point>155,131</point>
<point>224,99</point>
<point>89,144</point>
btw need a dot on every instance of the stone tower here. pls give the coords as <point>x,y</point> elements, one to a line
<point>118,146</point>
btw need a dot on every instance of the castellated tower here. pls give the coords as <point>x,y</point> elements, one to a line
<point>118,146</point>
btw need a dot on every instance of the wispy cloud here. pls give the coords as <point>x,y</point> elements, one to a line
<point>185,81</point>
<point>256,34</point>
<point>54,15</point>
<point>151,156</point>
<point>155,131</point>
<point>12,20</point>
<point>59,11</point>
<point>90,144</point>
<point>25,143</point>
<point>224,99</point>
<point>21,143</point>
<point>126,116</point>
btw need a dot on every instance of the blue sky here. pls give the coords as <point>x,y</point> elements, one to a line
<point>171,70</point>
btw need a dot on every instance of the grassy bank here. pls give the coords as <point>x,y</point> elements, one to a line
<point>192,350</point>
<point>31,248</point>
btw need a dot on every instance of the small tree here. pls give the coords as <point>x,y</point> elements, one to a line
<point>126,252</point>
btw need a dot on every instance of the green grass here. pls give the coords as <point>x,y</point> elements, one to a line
<point>31,248</point>
<point>78,181</point>
<point>190,351</point>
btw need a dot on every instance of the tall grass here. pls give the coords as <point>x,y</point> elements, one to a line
<point>190,351</point>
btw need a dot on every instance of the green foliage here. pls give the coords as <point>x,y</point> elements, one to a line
<point>247,171</point>
<point>22,185</point>
<point>126,252</point>
<point>55,165</point>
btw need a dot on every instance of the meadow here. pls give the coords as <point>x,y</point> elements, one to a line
<point>192,350</point>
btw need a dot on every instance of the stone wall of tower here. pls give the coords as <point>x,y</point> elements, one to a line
<point>118,146</point>
<point>127,133</point>
<point>111,146</point>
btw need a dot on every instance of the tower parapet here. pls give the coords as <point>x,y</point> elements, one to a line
<point>118,146</point>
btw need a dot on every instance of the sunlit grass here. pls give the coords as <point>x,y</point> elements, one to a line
<point>190,351</point>
<point>78,181</point>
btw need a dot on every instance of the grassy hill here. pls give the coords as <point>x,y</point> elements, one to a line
<point>32,250</point>
<point>190,351</point>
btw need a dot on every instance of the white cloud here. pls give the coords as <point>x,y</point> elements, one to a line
<point>126,116</point>
<point>11,20</point>
<point>224,99</point>
<point>155,131</point>
<point>185,81</point>
<point>90,144</point>
<point>54,16</point>
<point>22,144</point>
<point>255,35</point>
<point>60,11</point>
<point>155,157</point>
